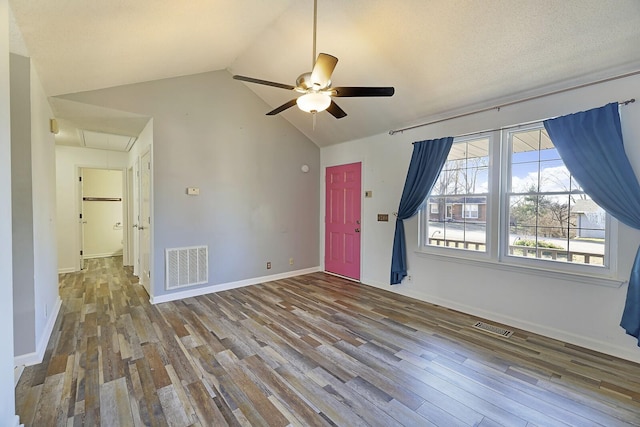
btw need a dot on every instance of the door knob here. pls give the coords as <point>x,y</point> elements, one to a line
<point>140,228</point>
<point>357,230</point>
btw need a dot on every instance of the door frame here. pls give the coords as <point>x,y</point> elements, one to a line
<point>128,219</point>
<point>323,210</point>
<point>80,240</point>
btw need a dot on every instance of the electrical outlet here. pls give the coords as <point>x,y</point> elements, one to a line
<point>290,261</point>
<point>268,265</point>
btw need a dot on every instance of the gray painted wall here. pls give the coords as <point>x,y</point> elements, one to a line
<point>22,205</point>
<point>255,204</point>
<point>35,278</point>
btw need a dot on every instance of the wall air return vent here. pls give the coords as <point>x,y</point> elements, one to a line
<point>186,266</point>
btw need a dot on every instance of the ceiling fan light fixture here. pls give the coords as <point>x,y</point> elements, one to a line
<point>313,102</point>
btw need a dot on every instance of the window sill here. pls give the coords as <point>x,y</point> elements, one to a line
<point>552,274</point>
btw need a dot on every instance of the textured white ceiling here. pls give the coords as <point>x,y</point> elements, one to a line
<point>441,55</point>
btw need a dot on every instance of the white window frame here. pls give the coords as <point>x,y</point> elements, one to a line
<point>490,243</point>
<point>497,223</point>
<point>608,270</point>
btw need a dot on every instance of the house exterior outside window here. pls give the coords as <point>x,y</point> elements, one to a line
<point>506,197</point>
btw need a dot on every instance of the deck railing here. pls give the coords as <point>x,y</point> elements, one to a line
<point>526,251</point>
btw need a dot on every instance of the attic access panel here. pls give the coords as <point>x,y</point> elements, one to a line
<point>106,141</point>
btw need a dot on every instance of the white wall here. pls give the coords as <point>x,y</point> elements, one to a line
<point>101,234</point>
<point>68,160</point>
<point>7,396</point>
<point>45,259</point>
<point>583,314</point>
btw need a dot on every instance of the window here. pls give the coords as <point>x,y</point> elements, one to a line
<point>471,211</point>
<point>545,218</point>
<point>550,216</point>
<point>460,197</point>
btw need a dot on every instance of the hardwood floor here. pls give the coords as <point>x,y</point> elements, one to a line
<point>313,350</point>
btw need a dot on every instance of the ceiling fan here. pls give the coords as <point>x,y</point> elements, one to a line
<point>315,86</point>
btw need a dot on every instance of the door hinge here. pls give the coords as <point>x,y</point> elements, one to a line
<point>80,216</point>
<point>81,253</point>
<point>80,178</point>
<point>149,165</point>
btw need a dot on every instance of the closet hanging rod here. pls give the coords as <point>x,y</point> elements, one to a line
<point>102,199</point>
<point>519,101</point>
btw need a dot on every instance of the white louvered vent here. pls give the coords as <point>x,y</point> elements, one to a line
<point>187,266</point>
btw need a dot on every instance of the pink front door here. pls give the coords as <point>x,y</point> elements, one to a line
<point>342,220</point>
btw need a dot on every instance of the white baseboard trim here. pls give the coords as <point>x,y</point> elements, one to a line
<point>103,255</point>
<point>37,356</point>
<point>231,285</point>
<point>146,288</point>
<point>586,342</point>
<point>16,422</point>
<point>17,373</point>
<point>66,270</point>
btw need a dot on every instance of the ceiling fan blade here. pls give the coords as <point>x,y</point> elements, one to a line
<point>264,82</point>
<point>322,70</point>
<point>362,91</point>
<point>336,111</point>
<point>282,107</point>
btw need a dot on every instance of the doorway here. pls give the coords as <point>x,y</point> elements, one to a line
<point>101,213</point>
<point>342,220</point>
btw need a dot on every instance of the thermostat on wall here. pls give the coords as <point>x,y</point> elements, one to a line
<point>193,191</point>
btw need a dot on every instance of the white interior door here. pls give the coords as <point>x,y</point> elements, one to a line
<point>144,221</point>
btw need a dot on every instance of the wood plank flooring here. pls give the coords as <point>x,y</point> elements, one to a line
<point>314,350</point>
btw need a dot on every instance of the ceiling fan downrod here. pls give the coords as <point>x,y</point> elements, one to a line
<point>315,28</point>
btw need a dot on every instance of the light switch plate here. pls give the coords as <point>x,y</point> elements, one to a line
<point>193,191</point>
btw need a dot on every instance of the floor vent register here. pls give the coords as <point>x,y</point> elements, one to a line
<point>496,330</point>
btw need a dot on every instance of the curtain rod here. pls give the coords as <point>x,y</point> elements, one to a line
<point>628,101</point>
<point>531,98</point>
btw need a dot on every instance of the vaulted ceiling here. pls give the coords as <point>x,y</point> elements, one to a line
<point>442,56</point>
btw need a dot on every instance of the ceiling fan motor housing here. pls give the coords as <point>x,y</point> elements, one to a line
<point>304,83</point>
